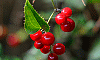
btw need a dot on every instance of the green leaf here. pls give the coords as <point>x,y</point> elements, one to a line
<point>33,21</point>
<point>93,1</point>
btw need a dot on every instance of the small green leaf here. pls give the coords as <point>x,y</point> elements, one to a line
<point>33,21</point>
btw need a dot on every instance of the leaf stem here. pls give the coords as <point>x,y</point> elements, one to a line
<point>53,4</point>
<point>50,17</point>
<point>52,13</point>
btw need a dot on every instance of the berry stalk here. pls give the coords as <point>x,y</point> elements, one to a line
<point>50,49</point>
<point>53,4</point>
<point>50,17</point>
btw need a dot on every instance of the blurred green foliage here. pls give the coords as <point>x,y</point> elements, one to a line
<point>34,54</point>
<point>95,50</point>
<point>22,34</point>
<point>93,1</point>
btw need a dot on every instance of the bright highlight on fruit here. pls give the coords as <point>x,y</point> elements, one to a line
<point>59,48</point>
<point>52,56</point>
<point>45,49</point>
<point>60,18</point>
<point>67,11</point>
<point>48,38</point>
<point>38,44</point>
<point>66,27</point>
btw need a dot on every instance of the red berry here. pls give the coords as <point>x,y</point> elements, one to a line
<point>38,44</point>
<point>67,11</point>
<point>66,27</point>
<point>52,56</point>
<point>45,49</point>
<point>36,36</point>
<point>59,48</point>
<point>72,23</point>
<point>48,38</point>
<point>13,40</point>
<point>60,18</point>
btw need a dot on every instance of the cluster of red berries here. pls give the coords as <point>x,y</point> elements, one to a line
<point>66,23</point>
<point>44,41</point>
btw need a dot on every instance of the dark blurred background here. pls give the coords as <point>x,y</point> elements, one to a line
<point>83,43</point>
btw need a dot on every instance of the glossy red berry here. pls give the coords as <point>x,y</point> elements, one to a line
<point>72,23</point>
<point>36,36</point>
<point>45,49</point>
<point>67,11</point>
<point>48,38</point>
<point>59,48</point>
<point>66,27</point>
<point>38,44</point>
<point>60,18</point>
<point>52,56</point>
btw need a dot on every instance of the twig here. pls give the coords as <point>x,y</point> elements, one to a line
<point>53,4</point>
<point>83,3</point>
